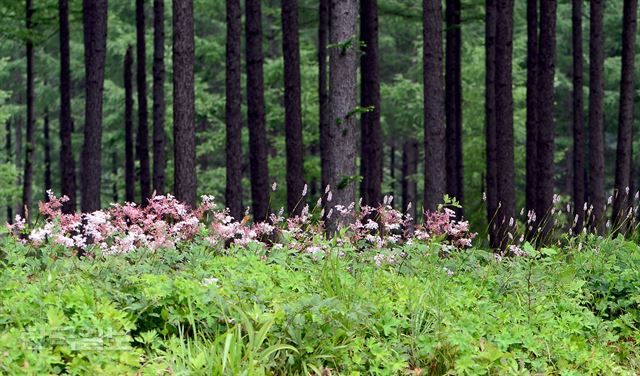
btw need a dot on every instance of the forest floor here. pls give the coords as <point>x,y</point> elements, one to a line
<point>202,310</point>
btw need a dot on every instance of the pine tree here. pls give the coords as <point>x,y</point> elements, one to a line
<point>233,114</point>
<point>67,163</point>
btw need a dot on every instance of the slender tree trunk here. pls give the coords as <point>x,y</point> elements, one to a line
<point>578,123</point>
<point>95,47</point>
<point>490,120</point>
<point>47,156</point>
<point>256,113</point>
<point>545,138</point>
<point>342,124</point>
<point>596,116</point>
<point>292,107</point>
<point>184,128</point>
<point>371,138</point>
<point>392,172</point>
<point>67,163</point>
<point>142,141</point>
<point>532,116</point>
<point>622,202</point>
<point>27,180</point>
<point>233,192</point>
<point>114,172</point>
<point>504,121</point>
<point>9,159</point>
<point>323,95</point>
<point>453,102</point>
<point>129,172</point>
<point>18,155</point>
<point>159,159</point>
<point>409,171</point>
<point>434,117</point>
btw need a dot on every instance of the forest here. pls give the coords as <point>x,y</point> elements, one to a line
<point>319,187</point>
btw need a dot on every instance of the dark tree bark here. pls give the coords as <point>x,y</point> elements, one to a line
<point>490,120</point>
<point>142,141</point>
<point>371,138</point>
<point>504,121</point>
<point>453,102</point>
<point>434,119</point>
<point>342,97</point>
<point>95,47</point>
<point>392,171</point>
<point>545,137</point>
<point>9,159</point>
<point>129,166</point>
<point>27,180</point>
<point>323,37</point>
<point>184,109</point>
<point>67,163</point>
<point>596,116</point>
<point>622,202</point>
<point>47,156</point>
<point>292,107</point>
<point>114,172</point>
<point>256,113</point>
<point>233,115</point>
<point>409,171</point>
<point>579,197</point>
<point>159,159</point>
<point>532,114</point>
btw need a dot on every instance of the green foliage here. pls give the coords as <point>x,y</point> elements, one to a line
<point>557,311</point>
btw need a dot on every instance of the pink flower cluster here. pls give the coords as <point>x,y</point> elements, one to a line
<point>165,223</point>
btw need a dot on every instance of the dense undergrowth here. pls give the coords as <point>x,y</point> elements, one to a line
<point>203,309</point>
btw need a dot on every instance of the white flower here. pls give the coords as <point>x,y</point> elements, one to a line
<point>304,190</point>
<point>210,281</point>
<point>274,186</point>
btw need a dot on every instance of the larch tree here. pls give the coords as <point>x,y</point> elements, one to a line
<point>159,156</point>
<point>292,107</point>
<point>142,141</point>
<point>67,163</point>
<point>579,194</point>
<point>9,159</point>
<point>27,179</point>
<point>371,138</point>
<point>129,163</point>
<point>532,114</point>
<point>453,101</point>
<point>505,215</point>
<point>491,188</point>
<point>596,117</point>
<point>342,106</point>
<point>545,137</point>
<point>622,203</point>
<point>47,155</point>
<point>434,118</point>
<point>184,127</point>
<point>323,95</point>
<point>258,166</point>
<point>94,20</point>
<point>233,114</point>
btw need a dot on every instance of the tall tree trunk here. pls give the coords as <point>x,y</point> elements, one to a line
<point>532,116</point>
<point>545,137</point>
<point>621,204</point>
<point>453,102</point>
<point>9,159</point>
<point>129,165</point>
<point>323,37</point>
<point>409,171</point>
<point>504,121</point>
<point>342,97</point>
<point>184,109</point>
<point>434,117</point>
<point>94,21</point>
<point>392,171</point>
<point>142,141</point>
<point>27,180</point>
<point>67,163</point>
<point>255,111</point>
<point>579,197</point>
<point>114,172</point>
<point>292,107</point>
<point>47,156</point>
<point>490,120</point>
<point>159,159</point>
<point>596,116</point>
<point>233,115</point>
<point>371,138</point>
